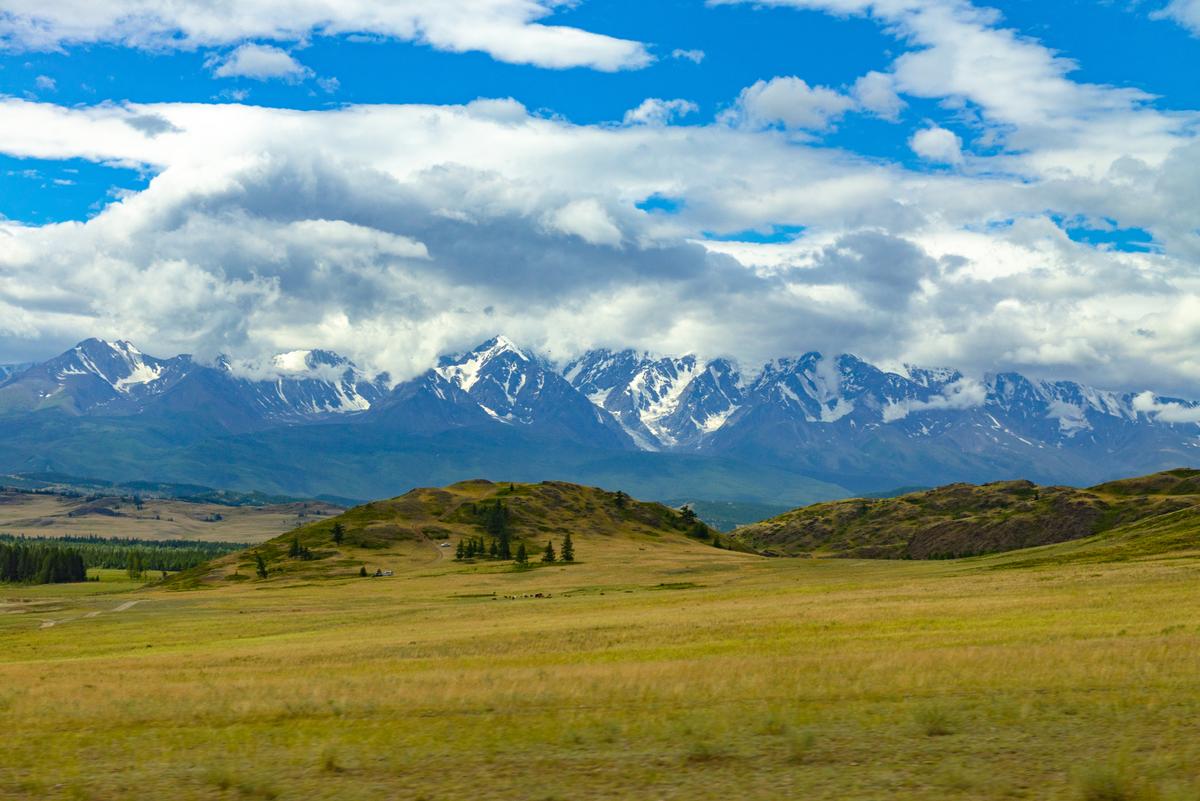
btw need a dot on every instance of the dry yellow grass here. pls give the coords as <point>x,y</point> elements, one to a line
<point>655,670</point>
<point>159,519</point>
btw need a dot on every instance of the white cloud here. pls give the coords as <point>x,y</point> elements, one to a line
<point>788,101</point>
<point>1185,12</point>
<point>261,62</point>
<point>587,220</point>
<point>1165,412</point>
<point>45,83</point>
<point>654,111</point>
<point>937,144</point>
<point>507,30</point>
<point>694,56</point>
<point>966,393</point>
<point>876,92</point>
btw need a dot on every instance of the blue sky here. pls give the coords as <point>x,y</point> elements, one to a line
<point>1002,185</point>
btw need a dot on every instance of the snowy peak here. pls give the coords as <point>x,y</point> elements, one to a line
<point>660,402</point>
<point>119,364</point>
<point>498,355</point>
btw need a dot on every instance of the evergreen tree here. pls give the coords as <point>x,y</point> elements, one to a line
<point>688,514</point>
<point>362,571</point>
<point>504,546</point>
<point>295,550</point>
<point>548,554</point>
<point>568,548</point>
<point>339,533</point>
<point>460,551</point>
<point>494,550</point>
<point>522,555</point>
<point>260,566</point>
<point>621,498</point>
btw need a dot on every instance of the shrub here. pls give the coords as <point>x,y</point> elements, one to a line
<point>1109,783</point>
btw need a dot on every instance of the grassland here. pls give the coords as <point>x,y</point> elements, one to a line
<point>655,667</point>
<point>45,515</point>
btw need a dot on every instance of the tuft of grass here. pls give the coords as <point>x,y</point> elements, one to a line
<point>934,720</point>
<point>800,747</point>
<point>329,761</point>
<point>1113,783</point>
<point>703,751</point>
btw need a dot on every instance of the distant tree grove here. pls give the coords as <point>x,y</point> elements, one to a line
<point>124,553</point>
<point>40,564</point>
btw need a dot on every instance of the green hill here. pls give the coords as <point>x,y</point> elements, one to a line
<point>426,525</point>
<point>968,520</point>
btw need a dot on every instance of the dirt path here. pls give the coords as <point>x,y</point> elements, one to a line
<point>49,624</point>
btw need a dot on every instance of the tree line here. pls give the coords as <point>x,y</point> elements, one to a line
<point>127,553</point>
<point>25,563</point>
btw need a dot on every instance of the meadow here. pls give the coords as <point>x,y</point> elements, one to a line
<point>46,515</point>
<point>653,670</point>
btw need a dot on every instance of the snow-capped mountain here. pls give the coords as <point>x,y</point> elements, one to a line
<point>837,419</point>
<point>516,388</point>
<point>662,403</point>
<point>97,377</point>
<point>308,383</point>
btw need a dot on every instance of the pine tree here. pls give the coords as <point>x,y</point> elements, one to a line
<point>504,546</point>
<point>339,533</point>
<point>260,566</point>
<point>688,514</point>
<point>621,498</point>
<point>460,551</point>
<point>494,550</point>
<point>362,571</point>
<point>522,555</point>
<point>295,550</point>
<point>568,548</point>
<point>548,554</point>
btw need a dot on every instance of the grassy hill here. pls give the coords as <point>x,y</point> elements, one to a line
<point>425,526</point>
<point>967,520</point>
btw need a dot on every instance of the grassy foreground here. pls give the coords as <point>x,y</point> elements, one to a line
<point>655,670</point>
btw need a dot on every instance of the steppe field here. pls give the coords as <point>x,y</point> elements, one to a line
<point>667,670</point>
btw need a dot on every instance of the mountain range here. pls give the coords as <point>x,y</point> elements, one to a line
<point>795,430</point>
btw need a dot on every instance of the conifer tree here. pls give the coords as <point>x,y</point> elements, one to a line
<point>568,548</point>
<point>295,550</point>
<point>689,516</point>
<point>548,554</point>
<point>522,555</point>
<point>260,566</point>
<point>621,498</point>
<point>339,533</point>
<point>460,551</point>
<point>362,571</point>
<point>494,550</point>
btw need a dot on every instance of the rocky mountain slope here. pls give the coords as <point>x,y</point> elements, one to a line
<point>967,520</point>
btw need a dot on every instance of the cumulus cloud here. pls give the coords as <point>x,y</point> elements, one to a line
<point>390,233</point>
<point>1166,411</point>
<point>261,62</point>
<point>507,30</point>
<point>790,102</point>
<point>965,393</point>
<point>654,111</point>
<point>45,83</point>
<point>1184,12</point>
<point>876,92</point>
<point>937,144</point>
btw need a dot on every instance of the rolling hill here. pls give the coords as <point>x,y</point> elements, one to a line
<point>967,520</point>
<point>425,525</point>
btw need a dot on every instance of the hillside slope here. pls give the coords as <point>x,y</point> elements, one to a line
<point>425,525</point>
<point>967,520</point>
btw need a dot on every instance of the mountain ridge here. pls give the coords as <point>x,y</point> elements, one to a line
<point>838,421</point>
